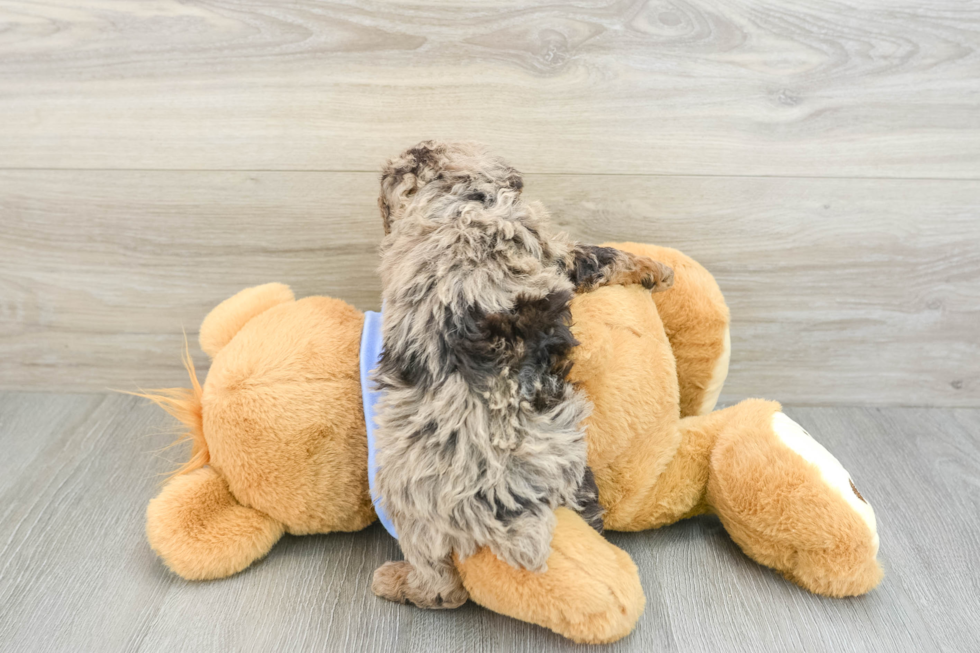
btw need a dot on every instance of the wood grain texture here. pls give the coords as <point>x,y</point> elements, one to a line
<point>842,291</point>
<point>821,158</point>
<point>77,575</point>
<point>75,571</point>
<point>808,88</point>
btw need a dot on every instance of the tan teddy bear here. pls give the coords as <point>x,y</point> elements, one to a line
<point>279,445</point>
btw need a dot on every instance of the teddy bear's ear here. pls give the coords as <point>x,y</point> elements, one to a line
<point>228,317</point>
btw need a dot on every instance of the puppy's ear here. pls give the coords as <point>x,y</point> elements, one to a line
<point>514,181</point>
<point>385,214</point>
<point>398,184</point>
<point>403,175</point>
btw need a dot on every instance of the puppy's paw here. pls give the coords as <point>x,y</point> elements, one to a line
<point>653,275</point>
<point>447,600</point>
<point>391,581</point>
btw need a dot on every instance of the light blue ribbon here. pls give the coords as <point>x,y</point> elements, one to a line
<point>371,346</point>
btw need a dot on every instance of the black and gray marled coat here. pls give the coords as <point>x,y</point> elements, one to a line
<point>480,435</point>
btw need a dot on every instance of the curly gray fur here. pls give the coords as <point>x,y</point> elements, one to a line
<point>480,436</point>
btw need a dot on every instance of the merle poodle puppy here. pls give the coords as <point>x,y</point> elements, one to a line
<point>480,435</point>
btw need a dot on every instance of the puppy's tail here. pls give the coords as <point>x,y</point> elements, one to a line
<point>185,405</point>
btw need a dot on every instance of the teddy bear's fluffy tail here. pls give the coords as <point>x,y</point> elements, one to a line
<point>185,405</point>
<point>217,330</point>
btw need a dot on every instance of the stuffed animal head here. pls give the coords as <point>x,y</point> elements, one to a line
<point>277,432</point>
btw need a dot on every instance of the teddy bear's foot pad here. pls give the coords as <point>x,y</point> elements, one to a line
<point>790,505</point>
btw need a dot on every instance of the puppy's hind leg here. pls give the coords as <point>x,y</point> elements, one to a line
<point>527,544</point>
<point>590,266</point>
<point>431,584</point>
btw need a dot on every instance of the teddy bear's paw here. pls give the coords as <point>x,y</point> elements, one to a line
<point>590,593</point>
<point>790,504</point>
<point>832,473</point>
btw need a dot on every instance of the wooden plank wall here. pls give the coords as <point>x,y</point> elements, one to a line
<point>821,159</point>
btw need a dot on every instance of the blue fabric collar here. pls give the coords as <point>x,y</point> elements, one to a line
<point>371,346</point>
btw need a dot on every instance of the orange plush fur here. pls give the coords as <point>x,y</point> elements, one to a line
<point>184,405</point>
<point>280,446</point>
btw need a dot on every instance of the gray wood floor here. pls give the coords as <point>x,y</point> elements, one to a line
<point>76,573</point>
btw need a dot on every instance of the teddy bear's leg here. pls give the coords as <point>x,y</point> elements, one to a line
<point>782,497</point>
<point>590,592</point>
<point>695,318</point>
<point>201,532</point>
<point>789,504</point>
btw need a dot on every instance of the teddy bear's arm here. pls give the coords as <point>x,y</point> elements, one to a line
<point>201,531</point>
<point>696,320</point>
